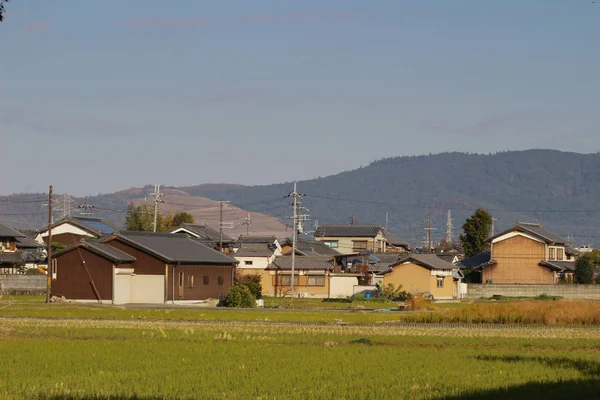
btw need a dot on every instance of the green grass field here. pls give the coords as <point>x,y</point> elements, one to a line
<point>102,359</point>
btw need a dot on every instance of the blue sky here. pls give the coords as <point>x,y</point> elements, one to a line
<point>97,96</point>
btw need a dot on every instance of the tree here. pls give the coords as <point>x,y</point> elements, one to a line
<point>173,220</point>
<point>239,296</point>
<point>141,218</point>
<point>585,267</point>
<point>252,282</point>
<point>476,229</point>
<point>2,10</point>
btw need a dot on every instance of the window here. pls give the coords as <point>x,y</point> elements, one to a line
<point>316,281</point>
<point>220,280</point>
<point>552,253</point>
<point>191,281</point>
<point>206,280</point>
<point>248,262</point>
<point>359,245</point>
<point>560,254</point>
<point>181,279</point>
<point>440,281</point>
<point>287,281</point>
<point>331,243</point>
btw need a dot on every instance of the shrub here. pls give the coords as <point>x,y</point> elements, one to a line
<point>252,282</point>
<point>239,296</point>
<point>32,271</point>
<point>395,294</point>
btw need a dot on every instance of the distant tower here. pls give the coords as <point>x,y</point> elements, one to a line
<point>449,227</point>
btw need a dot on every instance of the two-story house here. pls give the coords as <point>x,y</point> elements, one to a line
<point>9,257</point>
<point>528,254</point>
<point>350,239</point>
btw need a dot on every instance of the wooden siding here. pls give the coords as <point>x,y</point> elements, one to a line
<point>417,279</point>
<point>517,261</point>
<point>72,280</point>
<point>145,264</point>
<point>200,290</point>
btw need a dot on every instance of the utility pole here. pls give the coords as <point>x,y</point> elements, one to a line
<point>246,222</point>
<point>157,199</point>
<point>449,227</point>
<point>494,225</point>
<point>297,218</point>
<point>387,220</point>
<point>429,239</point>
<point>221,204</point>
<point>49,267</point>
<point>352,220</point>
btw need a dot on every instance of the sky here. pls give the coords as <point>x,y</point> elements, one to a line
<point>98,96</point>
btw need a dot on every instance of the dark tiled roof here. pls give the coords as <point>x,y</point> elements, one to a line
<point>384,261</point>
<point>427,260</point>
<point>102,249</point>
<point>254,250</point>
<point>175,248</point>
<point>476,260</point>
<point>10,258</point>
<point>5,231</point>
<point>536,230</point>
<point>28,243</point>
<point>572,251</point>
<point>256,240</point>
<point>99,224</point>
<point>395,240</point>
<point>446,257</point>
<point>312,248</point>
<point>323,263</point>
<point>347,230</point>
<point>559,265</point>
<point>203,232</point>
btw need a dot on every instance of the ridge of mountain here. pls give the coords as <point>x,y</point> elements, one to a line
<point>560,189</point>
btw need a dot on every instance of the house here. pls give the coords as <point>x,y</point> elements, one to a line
<point>32,253</point>
<point>451,257</point>
<point>528,254</point>
<point>256,258</point>
<point>314,276</point>
<point>71,230</point>
<point>394,244</point>
<point>173,268</point>
<point>206,235</point>
<point>348,239</point>
<point>10,258</point>
<point>94,271</point>
<point>424,273</point>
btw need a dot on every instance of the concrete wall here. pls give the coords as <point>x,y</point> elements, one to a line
<point>22,284</point>
<point>587,292</point>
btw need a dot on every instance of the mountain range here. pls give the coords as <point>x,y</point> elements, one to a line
<point>561,190</point>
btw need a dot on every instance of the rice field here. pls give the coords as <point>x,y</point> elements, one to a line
<point>99,359</point>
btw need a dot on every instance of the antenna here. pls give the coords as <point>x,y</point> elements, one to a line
<point>449,227</point>
<point>86,207</point>
<point>157,199</point>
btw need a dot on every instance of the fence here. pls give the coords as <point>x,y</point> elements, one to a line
<point>22,284</point>
<point>583,292</point>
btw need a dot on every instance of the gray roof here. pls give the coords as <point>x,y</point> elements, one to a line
<point>386,260</point>
<point>102,249</point>
<point>254,250</point>
<point>256,239</point>
<point>430,261</point>
<point>175,248</point>
<point>446,257</point>
<point>395,240</point>
<point>203,232</point>
<point>323,263</point>
<point>10,258</point>
<point>560,266</point>
<point>312,248</point>
<point>347,230</point>
<point>536,230</point>
<point>28,243</point>
<point>5,231</point>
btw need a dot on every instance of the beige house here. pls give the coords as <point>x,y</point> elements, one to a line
<point>351,239</point>
<point>528,254</point>
<point>424,273</point>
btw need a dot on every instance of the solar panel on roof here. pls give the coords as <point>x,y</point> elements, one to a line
<point>102,227</point>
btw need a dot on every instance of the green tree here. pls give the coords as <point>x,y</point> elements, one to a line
<point>141,218</point>
<point>173,220</point>
<point>585,267</point>
<point>239,296</point>
<point>476,229</point>
<point>252,282</point>
<point>2,10</point>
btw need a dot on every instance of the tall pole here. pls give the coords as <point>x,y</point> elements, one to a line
<point>294,239</point>
<point>49,267</point>
<point>221,227</point>
<point>248,225</point>
<point>157,199</point>
<point>386,220</point>
<point>429,234</point>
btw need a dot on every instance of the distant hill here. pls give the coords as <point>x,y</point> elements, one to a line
<point>560,189</point>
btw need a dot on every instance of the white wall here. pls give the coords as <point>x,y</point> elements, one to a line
<point>342,286</point>
<point>63,228</point>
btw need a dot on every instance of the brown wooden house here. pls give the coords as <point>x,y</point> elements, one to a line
<point>174,268</point>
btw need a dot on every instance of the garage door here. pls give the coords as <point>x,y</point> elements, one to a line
<point>122,292</point>
<point>148,289</point>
